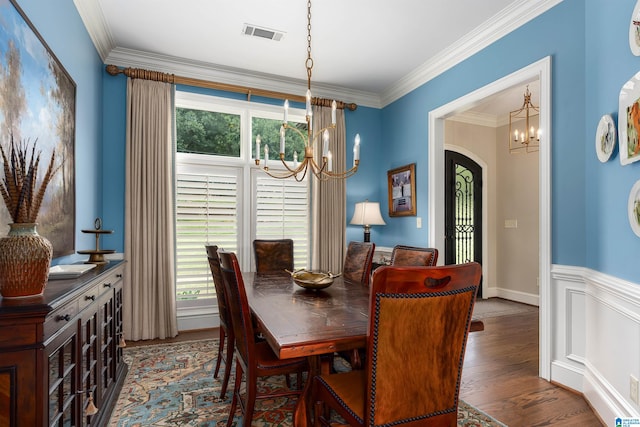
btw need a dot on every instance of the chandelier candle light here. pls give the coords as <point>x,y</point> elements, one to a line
<point>323,171</point>
<point>526,141</point>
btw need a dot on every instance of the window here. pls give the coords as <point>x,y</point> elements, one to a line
<point>222,197</point>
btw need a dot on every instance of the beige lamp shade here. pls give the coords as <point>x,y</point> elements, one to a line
<point>367,214</point>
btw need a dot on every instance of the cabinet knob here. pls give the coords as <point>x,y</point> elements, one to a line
<point>65,317</point>
<point>119,276</point>
<point>90,297</point>
<point>107,285</point>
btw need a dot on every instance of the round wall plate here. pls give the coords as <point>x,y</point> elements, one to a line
<point>634,208</point>
<point>634,30</point>
<point>605,138</point>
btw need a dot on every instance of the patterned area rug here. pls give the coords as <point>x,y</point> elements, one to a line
<point>173,385</point>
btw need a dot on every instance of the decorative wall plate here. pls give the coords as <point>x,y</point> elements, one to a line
<point>634,208</point>
<point>605,138</point>
<point>634,30</point>
<point>629,121</point>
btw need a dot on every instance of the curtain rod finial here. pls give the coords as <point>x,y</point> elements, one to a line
<point>113,70</point>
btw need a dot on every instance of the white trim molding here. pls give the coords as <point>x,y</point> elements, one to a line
<point>540,70</point>
<point>595,345</point>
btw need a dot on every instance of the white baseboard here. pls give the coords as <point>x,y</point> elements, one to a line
<point>194,318</point>
<point>525,298</point>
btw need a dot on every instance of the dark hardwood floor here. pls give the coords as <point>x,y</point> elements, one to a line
<point>500,376</point>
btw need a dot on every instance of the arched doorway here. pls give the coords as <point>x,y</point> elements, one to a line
<point>463,210</point>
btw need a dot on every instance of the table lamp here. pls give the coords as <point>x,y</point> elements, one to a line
<point>367,214</point>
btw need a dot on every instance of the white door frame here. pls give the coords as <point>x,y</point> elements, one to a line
<point>540,70</point>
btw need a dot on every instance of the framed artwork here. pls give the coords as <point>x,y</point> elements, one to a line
<point>605,138</point>
<point>633,208</point>
<point>629,121</point>
<point>402,190</point>
<point>37,106</point>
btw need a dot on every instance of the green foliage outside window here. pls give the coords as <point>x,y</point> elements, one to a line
<point>207,132</point>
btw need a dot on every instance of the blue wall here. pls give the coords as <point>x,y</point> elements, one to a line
<point>558,33</point>
<point>591,60</point>
<point>60,25</point>
<point>612,248</point>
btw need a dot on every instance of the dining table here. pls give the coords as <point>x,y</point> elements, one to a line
<point>296,322</point>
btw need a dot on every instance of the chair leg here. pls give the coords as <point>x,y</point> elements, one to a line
<point>236,392</point>
<point>220,350</point>
<point>318,412</point>
<point>299,381</point>
<point>227,364</point>
<point>251,388</point>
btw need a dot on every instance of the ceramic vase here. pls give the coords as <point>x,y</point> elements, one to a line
<point>25,257</point>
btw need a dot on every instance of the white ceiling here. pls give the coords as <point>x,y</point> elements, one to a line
<point>362,48</point>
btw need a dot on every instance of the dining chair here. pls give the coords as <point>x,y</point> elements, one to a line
<point>253,359</point>
<point>413,256</point>
<point>358,261</point>
<point>419,320</point>
<point>273,256</point>
<point>226,337</point>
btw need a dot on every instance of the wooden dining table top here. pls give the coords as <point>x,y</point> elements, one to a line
<point>301,322</point>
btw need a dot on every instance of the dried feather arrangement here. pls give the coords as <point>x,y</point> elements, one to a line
<point>19,189</point>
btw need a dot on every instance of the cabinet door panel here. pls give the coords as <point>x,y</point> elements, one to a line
<point>17,382</point>
<point>62,357</point>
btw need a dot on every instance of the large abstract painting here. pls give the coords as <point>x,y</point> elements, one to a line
<point>37,105</point>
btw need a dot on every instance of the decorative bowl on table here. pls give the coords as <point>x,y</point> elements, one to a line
<point>313,279</point>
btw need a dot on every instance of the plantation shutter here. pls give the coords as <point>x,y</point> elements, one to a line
<point>282,212</point>
<point>206,213</point>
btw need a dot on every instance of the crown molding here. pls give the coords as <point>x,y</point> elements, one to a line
<point>93,19</point>
<point>512,17</point>
<point>206,71</point>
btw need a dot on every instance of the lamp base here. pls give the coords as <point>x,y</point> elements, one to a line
<point>367,233</point>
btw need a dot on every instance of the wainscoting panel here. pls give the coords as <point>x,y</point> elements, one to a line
<point>596,338</point>
<point>567,326</point>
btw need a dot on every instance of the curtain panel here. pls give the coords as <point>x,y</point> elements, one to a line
<point>329,199</point>
<point>149,301</point>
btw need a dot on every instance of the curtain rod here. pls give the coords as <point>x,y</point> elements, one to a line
<point>139,73</point>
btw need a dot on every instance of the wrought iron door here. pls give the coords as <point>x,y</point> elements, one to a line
<point>463,210</point>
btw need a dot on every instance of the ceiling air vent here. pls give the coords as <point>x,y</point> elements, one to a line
<point>265,33</point>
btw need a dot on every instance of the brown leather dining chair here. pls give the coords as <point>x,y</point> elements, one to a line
<point>413,256</point>
<point>226,331</point>
<point>273,256</point>
<point>253,359</point>
<point>358,261</point>
<point>419,320</point>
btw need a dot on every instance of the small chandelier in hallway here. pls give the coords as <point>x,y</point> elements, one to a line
<point>527,140</point>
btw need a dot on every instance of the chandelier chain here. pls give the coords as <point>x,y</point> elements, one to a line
<point>309,62</point>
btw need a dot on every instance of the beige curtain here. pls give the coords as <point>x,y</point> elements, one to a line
<point>329,199</point>
<point>149,303</point>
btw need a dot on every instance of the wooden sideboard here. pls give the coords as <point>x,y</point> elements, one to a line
<point>60,350</point>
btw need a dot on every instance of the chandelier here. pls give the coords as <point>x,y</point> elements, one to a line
<point>527,140</point>
<point>322,170</point>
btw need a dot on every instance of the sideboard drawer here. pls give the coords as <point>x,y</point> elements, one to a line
<point>57,319</point>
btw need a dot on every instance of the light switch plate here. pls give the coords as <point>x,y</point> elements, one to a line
<point>510,223</point>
